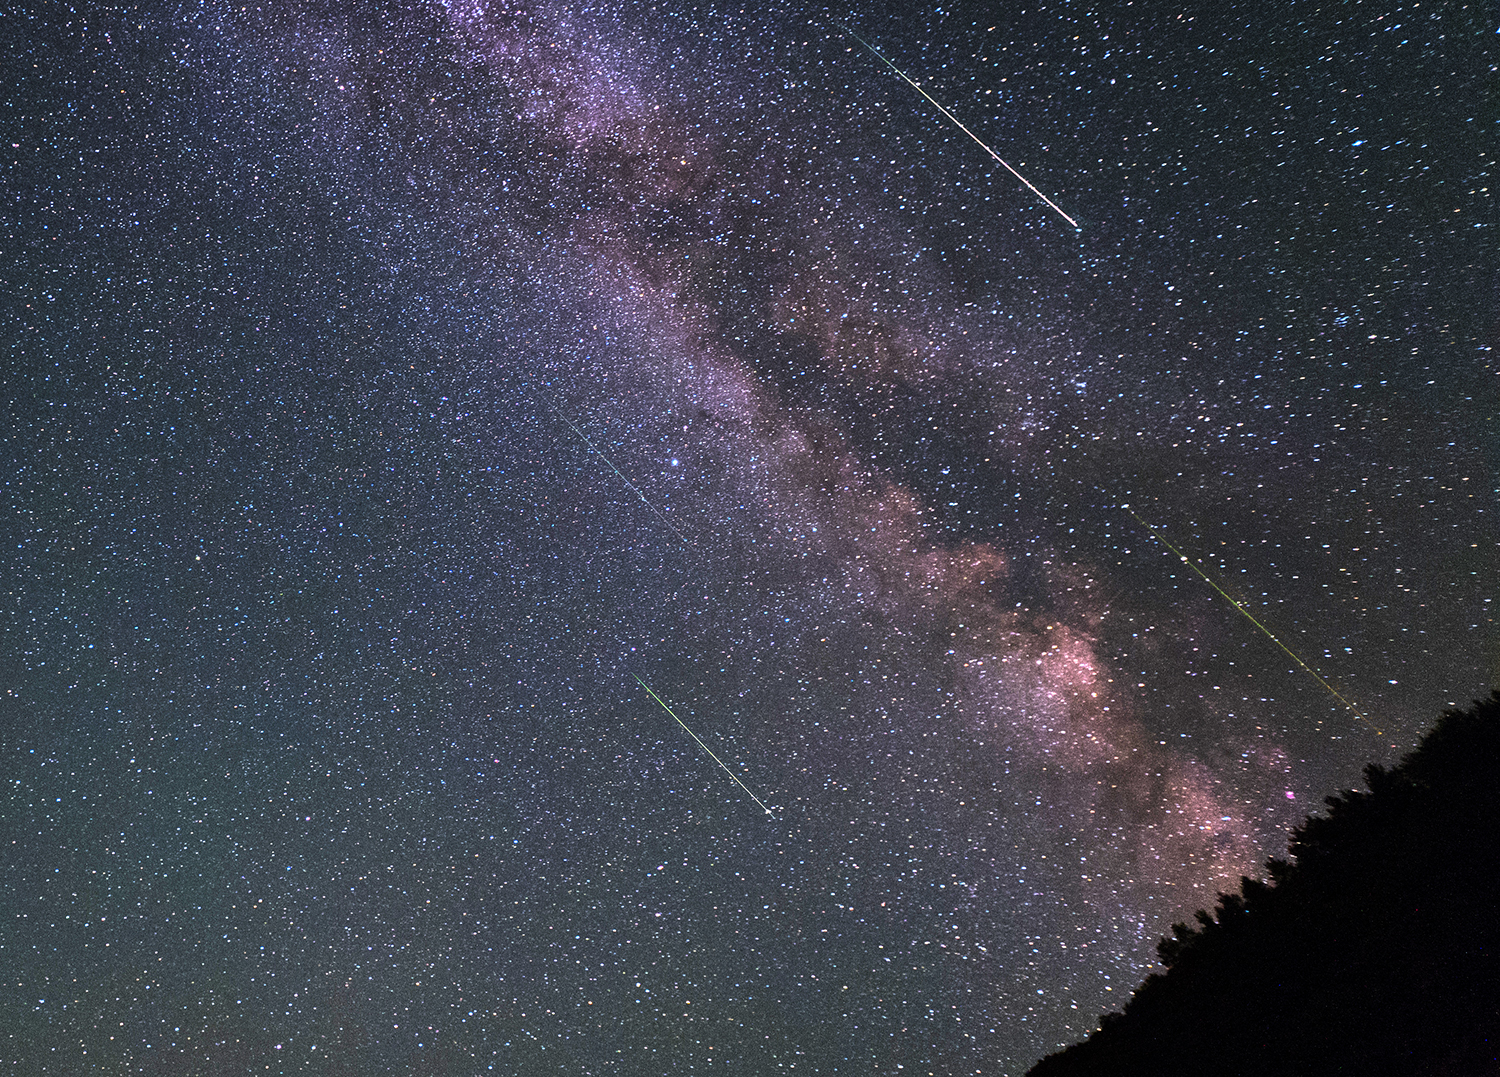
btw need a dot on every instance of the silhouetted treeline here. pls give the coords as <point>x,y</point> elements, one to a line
<point>1376,950</point>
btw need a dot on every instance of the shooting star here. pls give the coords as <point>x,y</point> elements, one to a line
<point>705,747</point>
<point>958,123</point>
<point>584,438</point>
<point>1240,606</point>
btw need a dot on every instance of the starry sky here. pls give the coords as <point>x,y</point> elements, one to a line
<point>387,387</point>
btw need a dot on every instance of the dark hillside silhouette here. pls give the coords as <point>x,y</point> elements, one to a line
<point>1375,951</point>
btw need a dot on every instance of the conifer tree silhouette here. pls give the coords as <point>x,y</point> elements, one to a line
<point>1373,950</point>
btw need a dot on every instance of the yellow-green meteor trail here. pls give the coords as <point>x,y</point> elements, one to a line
<point>582,437</point>
<point>705,747</point>
<point>957,122</point>
<point>1251,618</point>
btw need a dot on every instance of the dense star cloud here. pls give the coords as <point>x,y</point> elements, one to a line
<point>388,388</point>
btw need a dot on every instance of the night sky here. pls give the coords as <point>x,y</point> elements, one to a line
<point>384,391</point>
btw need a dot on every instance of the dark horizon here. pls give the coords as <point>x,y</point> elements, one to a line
<point>1366,950</point>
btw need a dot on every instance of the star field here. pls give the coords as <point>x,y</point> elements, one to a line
<point>386,388</point>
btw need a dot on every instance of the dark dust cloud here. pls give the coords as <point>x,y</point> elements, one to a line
<point>323,748</point>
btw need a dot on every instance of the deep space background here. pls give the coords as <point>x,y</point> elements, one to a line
<point>385,388</point>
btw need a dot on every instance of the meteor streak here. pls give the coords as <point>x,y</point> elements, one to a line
<point>1240,606</point>
<point>958,123</point>
<point>582,437</point>
<point>705,747</point>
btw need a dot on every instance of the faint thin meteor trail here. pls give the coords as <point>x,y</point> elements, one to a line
<point>582,437</point>
<point>958,123</point>
<point>705,747</point>
<point>1251,618</point>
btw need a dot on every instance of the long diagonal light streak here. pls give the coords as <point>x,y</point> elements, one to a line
<point>705,747</point>
<point>958,123</point>
<point>1240,606</point>
<point>584,438</point>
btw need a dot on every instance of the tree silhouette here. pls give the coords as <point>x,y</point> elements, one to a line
<point>1373,950</point>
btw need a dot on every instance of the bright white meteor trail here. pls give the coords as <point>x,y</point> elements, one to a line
<point>705,747</point>
<point>958,123</point>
